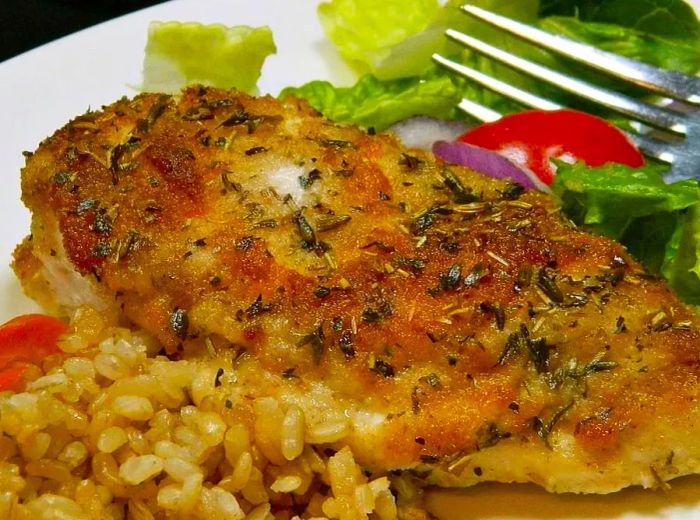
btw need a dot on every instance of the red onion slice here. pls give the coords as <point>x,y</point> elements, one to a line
<point>487,162</point>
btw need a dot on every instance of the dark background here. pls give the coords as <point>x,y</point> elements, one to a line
<point>25,24</point>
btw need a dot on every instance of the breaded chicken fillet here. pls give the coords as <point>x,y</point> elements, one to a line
<point>471,332</point>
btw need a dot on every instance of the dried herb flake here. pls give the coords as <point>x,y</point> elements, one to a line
<point>179,323</point>
<point>316,340</point>
<point>257,308</point>
<point>460,194</point>
<point>382,367</point>
<point>347,344</point>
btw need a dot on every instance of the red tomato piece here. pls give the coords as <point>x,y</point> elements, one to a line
<point>26,339</point>
<point>532,138</point>
<point>12,378</point>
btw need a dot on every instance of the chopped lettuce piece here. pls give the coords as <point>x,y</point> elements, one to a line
<point>379,104</point>
<point>681,265</point>
<point>659,223</point>
<point>675,19</point>
<point>178,54</point>
<point>394,39</point>
<point>366,32</point>
<point>611,197</point>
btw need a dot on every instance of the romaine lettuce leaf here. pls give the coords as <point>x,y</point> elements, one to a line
<point>659,223</point>
<point>366,33</point>
<point>613,196</point>
<point>673,19</point>
<point>681,265</point>
<point>394,38</point>
<point>379,104</point>
<point>178,54</point>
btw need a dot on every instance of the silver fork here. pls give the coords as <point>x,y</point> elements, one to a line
<point>681,150</point>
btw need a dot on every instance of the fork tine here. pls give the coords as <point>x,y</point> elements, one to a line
<point>656,116</point>
<point>666,82</point>
<point>681,156</point>
<point>653,148</point>
<point>498,86</point>
<point>478,111</point>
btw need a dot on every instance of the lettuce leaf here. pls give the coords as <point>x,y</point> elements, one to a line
<point>366,33</point>
<point>379,104</point>
<point>613,196</point>
<point>674,19</point>
<point>681,266</point>
<point>659,223</point>
<point>395,38</point>
<point>178,54</point>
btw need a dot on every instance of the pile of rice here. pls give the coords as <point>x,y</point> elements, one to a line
<point>112,431</point>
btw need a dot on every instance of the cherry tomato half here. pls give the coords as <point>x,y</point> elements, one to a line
<point>532,138</point>
<point>26,340</point>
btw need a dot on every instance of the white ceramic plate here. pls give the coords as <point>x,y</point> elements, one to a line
<point>44,88</point>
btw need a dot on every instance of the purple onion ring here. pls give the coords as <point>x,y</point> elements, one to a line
<point>486,162</point>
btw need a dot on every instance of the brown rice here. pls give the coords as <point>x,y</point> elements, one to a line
<point>115,431</point>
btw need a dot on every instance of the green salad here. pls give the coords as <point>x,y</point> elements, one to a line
<point>389,45</point>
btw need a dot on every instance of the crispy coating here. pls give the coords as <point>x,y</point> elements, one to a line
<point>469,329</point>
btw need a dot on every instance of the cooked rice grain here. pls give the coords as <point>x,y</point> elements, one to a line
<point>116,432</point>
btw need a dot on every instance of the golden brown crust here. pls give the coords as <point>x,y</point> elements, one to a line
<point>466,313</point>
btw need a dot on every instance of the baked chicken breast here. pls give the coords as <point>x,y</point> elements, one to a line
<point>468,329</point>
